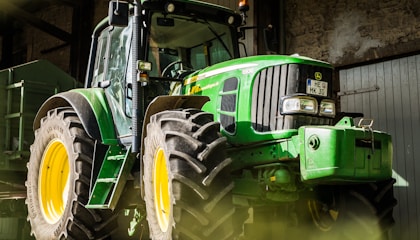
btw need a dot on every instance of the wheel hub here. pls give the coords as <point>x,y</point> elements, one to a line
<point>322,216</point>
<point>162,197</point>
<point>53,181</point>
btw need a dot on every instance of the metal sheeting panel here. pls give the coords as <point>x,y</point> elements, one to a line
<point>9,228</point>
<point>389,92</point>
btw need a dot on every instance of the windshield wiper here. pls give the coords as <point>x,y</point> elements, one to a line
<point>219,39</point>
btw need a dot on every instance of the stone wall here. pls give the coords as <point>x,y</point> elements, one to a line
<point>346,32</point>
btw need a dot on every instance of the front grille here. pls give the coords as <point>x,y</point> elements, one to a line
<point>270,85</point>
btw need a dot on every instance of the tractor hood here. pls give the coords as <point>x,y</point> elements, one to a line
<point>259,98</point>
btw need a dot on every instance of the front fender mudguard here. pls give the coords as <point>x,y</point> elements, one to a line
<point>162,103</point>
<point>91,107</point>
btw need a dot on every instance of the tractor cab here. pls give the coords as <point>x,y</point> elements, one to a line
<point>173,39</point>
<point>143,50</point>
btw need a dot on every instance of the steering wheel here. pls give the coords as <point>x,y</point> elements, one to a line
<point>175,72</point>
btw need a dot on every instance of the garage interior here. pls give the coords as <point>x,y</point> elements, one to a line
<point>374,45</point>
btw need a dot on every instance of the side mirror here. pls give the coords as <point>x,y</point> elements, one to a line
<point>118,13</point>
<point>270,39</point>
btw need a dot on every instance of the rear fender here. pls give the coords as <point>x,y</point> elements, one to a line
<point>92,109</point>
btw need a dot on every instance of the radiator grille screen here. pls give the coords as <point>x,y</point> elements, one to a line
<point>274,82</point>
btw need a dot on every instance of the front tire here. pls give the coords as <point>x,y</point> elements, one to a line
<point>356,212</point>
<point>187,185</point>
<point>58,181</point>
<point>350,212</point>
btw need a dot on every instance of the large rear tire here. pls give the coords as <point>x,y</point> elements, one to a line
<point>58,181</point>
<point>187,184</point>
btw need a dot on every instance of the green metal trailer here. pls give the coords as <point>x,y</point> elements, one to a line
<point>23,89</point>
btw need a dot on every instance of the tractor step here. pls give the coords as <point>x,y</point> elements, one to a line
<point>111,179</point>
<point>107,180</point>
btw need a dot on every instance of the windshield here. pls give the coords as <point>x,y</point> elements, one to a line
<point>179,45</point>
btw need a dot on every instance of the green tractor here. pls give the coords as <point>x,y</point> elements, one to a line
<point>176,137</point>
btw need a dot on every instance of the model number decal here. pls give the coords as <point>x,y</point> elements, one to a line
<point>194,90</point>
<point>197,88</point>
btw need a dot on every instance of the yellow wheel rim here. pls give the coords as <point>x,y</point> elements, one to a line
<point>323,218</point>
<point>161,190</point>
<point>54,181</point>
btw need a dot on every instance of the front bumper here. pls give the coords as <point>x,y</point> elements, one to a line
<point>344,153</point>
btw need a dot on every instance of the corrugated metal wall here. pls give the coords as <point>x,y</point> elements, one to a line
<point>9,228</point>
<point>389,92</point>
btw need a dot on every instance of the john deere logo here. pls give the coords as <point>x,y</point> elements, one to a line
<point>318,76</point>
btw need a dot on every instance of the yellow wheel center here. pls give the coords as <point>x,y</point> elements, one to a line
<point>53,181</point>
<point>161,190</point>
<point>322,217</point>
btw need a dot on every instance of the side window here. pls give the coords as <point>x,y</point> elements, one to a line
<point>101,53</point>
<point>116,77</point>
<point>111,73</point>
<point>117,57</point>
<point>112,55</point>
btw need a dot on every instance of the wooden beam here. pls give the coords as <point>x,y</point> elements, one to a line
<point>72,3</point>
<point>22,15</point>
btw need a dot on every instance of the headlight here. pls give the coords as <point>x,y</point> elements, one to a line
<point>327,108</point>
<point>299,104</point>
<point>170,7</point>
